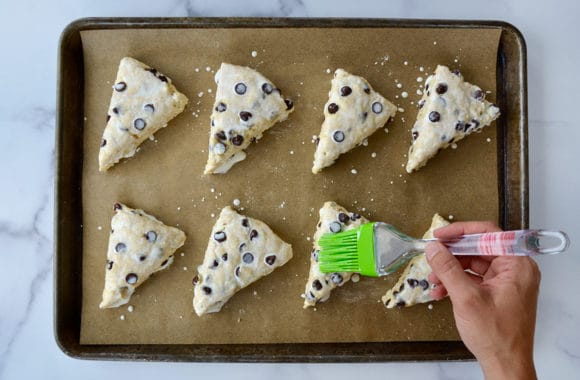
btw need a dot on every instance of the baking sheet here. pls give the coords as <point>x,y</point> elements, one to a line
<point>274,184</point>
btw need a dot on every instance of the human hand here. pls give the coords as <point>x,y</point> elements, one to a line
<point>495,308</point>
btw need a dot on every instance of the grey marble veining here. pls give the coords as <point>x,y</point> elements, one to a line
<point>29,32</point>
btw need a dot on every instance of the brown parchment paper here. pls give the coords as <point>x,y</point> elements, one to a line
<point>275,183</point>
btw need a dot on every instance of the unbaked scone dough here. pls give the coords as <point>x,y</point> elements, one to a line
<point>333,218</point>
<point>450,109</point>
<point>241,250</point>
<point>354,111</point>
<point>139,246</point>
<point>246,105</point>
<point>143,101</point>
<point>413,286</point>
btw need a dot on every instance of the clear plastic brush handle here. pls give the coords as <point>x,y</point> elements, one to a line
<point>508,243</point>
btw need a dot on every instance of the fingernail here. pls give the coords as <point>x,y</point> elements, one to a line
<point>431,250</point>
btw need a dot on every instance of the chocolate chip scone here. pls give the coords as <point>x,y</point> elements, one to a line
<point>354,111</point>
<point>450,109</point>
<point>139,246</point>
<point>413,286</point>
<point>246,105</point>
<point>143,101</point>
<point>241,250</point>
<point>333,219</point>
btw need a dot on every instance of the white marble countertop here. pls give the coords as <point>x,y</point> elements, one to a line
<point>29,32</point>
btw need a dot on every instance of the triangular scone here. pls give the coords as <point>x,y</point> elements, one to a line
<point>143,101</point>
<point>246,105</point>
<point>333,218</point>
<point>450,109</point>
<point>354,111</point>
<point>139,246</point>
<point>241,250</point>
<point>413,286</point>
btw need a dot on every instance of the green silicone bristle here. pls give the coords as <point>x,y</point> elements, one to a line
<point>348,251</point>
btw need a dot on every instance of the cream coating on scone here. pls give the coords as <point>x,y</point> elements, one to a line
<point>333,218</point>
<point>139,245</point>
<point>240,251</point>
<point>450,109</point>
<point>143,101</point>
<point>353,112</point>
<point>246,105</point>
<point>413,286</point>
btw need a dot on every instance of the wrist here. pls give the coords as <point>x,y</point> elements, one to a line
<point>509,366</point>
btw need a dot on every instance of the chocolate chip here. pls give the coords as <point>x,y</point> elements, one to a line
<point>267,88</point>
<point>336,278</point>
<point>149,107</point>
<point>221,107</point>
<point>242,247</point>
<point>402,287</point>
<point>355,216</point>
<point>108,117</point>
<point>142,258</point>
<point>270,259</point>
<point>456,72</point>
<point>424,284</point>
<point>195,280</point>
<point>206,290</point>
<point>475,123</point>
<point>253,234</point>
<point>400,304</point>
<point>162,78</point>
<point>219,148</point>
<point>387,302</point>
<point>151,236</point>
<point>115,110</point>
<point>120,86</point>
<point>343,218</point>
<point>225,257</point>
<point>467,126</point>
<point>248,258</point>
<point>338,136</point>
<point>366,89</point>
<point>237,140</point>
<point>212,123</point>
<point>441,88</point>
<point>131,278</point>
<point>332,108</point>
<point>377,107</point>
<point>237,271</point>
<point>240,88</point>
<point>152,70</point>
<point>335,227</point>
<point>289,104</point>
<point>434,116</point>
<point>164,262</point>
<point>316,285</point>
<point>214,264</point>
<point>221,135</point>
<point>245,222</point>
<point>220,236</point>
<point>412,282</point>
<point>139,124</point>
<point>103,142</point>
<point>452,140</point>
<point>314,254</point>
<point>415,135</point>
<point>421,103</point>
<point>460,126</point>
<point>310,296</point>
<point>120,247</point>
<point>443,137</point>
<point>427,87</point>
<point>479,95</point>
<point>345,91</point>
<point>117,207</point>
<point>110,264</point>
<point>245,116</point>
<point>364,115</point>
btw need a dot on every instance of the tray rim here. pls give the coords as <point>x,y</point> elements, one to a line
<point>513,189</point>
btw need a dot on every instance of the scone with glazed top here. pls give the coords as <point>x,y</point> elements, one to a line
<point>240,251</point>
<point>413,286</point>
<point>333,219</point>
<point>143,101</point>
<point>449,110</point>
<point>354,111</point>
<point>246,105</point>
<point>139,245</point>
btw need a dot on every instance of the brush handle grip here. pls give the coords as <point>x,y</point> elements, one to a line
<point>509,243</point>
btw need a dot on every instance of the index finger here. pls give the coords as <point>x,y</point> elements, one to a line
<point>465,228</point>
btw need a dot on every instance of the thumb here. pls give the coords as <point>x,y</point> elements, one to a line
<point>447,268</point>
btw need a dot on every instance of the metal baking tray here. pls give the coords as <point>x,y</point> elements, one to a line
<point>513,194</point>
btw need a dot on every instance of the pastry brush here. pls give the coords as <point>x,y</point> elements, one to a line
<point>379,249</point>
